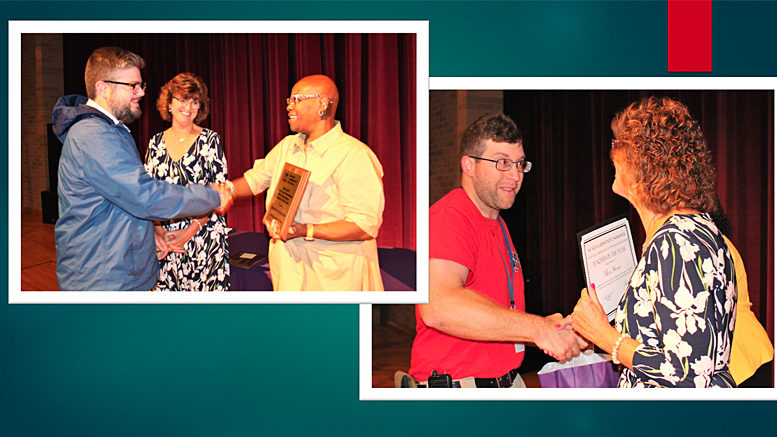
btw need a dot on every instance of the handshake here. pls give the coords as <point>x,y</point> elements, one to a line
<point>557,338</point>
<point>588,325</point>
<point>226,192</point>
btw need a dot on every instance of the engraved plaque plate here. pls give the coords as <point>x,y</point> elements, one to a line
<point>287,196</point>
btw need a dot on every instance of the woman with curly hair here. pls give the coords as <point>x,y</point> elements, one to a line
<point>193,253</point>
<point>675,322</point>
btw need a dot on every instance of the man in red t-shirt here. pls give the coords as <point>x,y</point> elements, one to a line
<point>474,327</point>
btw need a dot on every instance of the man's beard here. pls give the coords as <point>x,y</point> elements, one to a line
<point>125,114</point>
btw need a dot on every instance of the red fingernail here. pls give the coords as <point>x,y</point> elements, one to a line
<point>558,326</point>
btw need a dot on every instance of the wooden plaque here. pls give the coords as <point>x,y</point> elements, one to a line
<point>287,196</point>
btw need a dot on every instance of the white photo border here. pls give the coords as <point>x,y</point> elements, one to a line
<point>419,27</point>
<point>367,392</point>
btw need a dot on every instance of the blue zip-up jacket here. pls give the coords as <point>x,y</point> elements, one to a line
<point>107,201</point>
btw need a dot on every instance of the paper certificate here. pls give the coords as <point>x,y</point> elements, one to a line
<point>288,195</point>
<point>607,252</point>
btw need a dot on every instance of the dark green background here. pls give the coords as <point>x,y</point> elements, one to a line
<point>293,369</point>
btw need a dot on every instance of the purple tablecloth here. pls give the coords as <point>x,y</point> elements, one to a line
<point>397,265</point>
<point>257,278</point>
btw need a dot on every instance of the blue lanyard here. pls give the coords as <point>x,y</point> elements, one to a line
<point>512,263</point>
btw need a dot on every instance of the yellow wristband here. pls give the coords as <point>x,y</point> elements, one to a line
<point>309,234</point>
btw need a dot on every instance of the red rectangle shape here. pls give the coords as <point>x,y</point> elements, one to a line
<point>689,45</point>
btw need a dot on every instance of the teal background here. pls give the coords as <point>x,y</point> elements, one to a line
<point>202,370</point>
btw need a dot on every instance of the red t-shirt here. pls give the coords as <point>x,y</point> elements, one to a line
<point>458,232</point>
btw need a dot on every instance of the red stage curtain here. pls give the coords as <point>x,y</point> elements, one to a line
<point>567,137</point>
<point>249,78</point>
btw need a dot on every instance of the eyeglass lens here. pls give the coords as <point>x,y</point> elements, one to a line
<point>296,98</point>
<point>192,102</point>
<point>506,164</point>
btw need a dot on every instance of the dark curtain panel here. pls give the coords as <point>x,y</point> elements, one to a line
<point>567,137</point>
<point>249,78</point>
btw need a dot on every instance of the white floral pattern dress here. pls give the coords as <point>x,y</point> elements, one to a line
<point>681,304</point>
<point>205,264</point>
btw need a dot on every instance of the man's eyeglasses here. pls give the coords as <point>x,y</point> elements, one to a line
<point>296,98</point>
<point>134,85</point>
<point>195,103</point>
<point>506,164</point>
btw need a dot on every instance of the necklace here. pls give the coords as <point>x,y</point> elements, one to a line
<point>181,138</point>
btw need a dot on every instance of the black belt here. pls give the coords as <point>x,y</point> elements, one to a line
<point>503,381</point>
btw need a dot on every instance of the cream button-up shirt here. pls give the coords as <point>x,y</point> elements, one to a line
<point>345,184</point>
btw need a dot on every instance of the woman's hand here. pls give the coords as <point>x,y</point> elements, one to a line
<point>176,239</point>
<point>162,249</point>
<point>589,319</point>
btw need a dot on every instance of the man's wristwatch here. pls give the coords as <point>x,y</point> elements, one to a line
<point>309,236</point>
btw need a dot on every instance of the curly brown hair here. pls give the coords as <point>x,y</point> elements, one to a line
<point>185,86</point>
<point>665,154</point>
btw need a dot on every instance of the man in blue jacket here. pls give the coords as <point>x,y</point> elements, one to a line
<point>107,201</point>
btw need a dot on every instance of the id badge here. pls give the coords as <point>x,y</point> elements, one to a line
<point>516,262</point>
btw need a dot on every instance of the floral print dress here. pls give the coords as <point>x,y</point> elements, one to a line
<point>205,264</point>
<point>681,304</point>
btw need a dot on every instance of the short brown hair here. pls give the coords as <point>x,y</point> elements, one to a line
<point>666,155</point>
<point>186,86</point>
<point>498,128</point>
<point>105,62</point>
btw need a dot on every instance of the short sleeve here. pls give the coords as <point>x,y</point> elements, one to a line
<point>452,237</point>
<point>259,176</point>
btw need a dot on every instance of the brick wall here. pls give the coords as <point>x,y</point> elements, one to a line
<point>42,84</point>
<point>443,144</point>
<point>450,112</point>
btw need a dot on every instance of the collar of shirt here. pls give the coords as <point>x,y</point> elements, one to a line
<point>323,142</point>
<point>94,105</point>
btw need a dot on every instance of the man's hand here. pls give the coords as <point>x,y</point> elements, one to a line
<point>581,341</point>
<point>558,340</point>
<point>225,194</point>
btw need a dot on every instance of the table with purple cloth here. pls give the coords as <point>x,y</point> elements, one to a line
<point>397,265</point>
